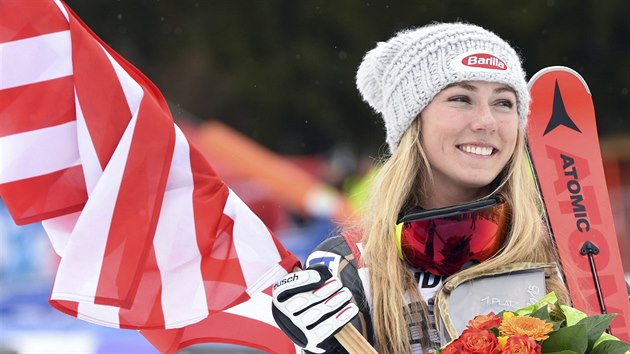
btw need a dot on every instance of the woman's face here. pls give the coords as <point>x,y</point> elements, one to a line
<point>469,132</point>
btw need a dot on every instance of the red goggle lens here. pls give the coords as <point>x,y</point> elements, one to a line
<point>443,245</point>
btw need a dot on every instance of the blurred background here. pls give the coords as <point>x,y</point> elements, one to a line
<point>274,80</point>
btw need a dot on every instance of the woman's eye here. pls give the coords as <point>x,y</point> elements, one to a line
<point>459,99</point>
<point>505,103</point>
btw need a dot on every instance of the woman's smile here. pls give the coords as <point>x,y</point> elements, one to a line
<point>477,149</point>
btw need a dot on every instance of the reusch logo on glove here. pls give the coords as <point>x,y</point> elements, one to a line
<point>478,60</point>
<point>285,281</point>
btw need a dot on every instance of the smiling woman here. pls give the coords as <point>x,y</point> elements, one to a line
<point>469,132</point>
<point>452,204</point>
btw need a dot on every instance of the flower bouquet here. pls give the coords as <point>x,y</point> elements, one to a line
<point>544,327</point>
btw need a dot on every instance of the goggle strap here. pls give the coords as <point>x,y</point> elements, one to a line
<point>399,228</point>
<point>450,211</point>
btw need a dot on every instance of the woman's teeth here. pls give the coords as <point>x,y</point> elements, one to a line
<point>477,150</point>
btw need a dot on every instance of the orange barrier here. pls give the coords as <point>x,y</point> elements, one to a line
<point>293,187</point>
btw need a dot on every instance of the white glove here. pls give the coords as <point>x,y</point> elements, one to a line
<point>310,306</point>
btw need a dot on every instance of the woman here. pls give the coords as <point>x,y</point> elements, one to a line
<point>454,101</point>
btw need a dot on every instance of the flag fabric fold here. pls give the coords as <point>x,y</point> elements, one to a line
<point>149,236</point>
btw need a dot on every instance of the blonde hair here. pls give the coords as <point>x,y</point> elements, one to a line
<point>402,183</point>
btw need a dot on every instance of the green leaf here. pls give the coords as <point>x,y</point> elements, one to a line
<point>562,352</point>
<point>547,299</point>
<point>572,338</point>
<point>604,337</point>
<point>611,347</point>
<point>595,326</point>
<point>558,324</point>
<point>542,313</point>
<point>494,331</point>
<point>572,315</point>
<point>551,313</point>
<point>557,316</point>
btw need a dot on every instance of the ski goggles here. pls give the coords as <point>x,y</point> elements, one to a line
<point>442,241</point>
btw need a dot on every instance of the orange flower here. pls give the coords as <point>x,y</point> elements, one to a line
<point>478,341</point>
<point>521,345</point>
<point>532,327</point>
<point>485,321</point>
<point>455,347</point>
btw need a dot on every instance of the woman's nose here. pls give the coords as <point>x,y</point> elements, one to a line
<point>484,118</point>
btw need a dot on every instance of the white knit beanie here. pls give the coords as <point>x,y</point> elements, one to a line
<point>400,77</point>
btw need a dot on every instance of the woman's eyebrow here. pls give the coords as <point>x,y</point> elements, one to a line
<point>471,87</point>
<point>504,89</point>
<point>464,85</point>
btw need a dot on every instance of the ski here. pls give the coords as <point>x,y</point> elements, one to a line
<point>567,163</point>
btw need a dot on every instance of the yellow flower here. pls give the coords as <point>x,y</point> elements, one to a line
<point>502,340</point>
<point>532,327</point>
<point>507,315</point>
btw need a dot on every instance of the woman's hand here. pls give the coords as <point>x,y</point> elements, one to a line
<point>310,306</point>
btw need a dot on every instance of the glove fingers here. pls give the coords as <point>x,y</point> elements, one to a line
<point>321,311</point>
<point>334,323</point>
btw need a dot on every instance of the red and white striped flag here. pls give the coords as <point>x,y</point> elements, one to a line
<point>149,237</point>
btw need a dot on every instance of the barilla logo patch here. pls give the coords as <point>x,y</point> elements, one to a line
<point>478,61</point>
<point>483,60</point>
